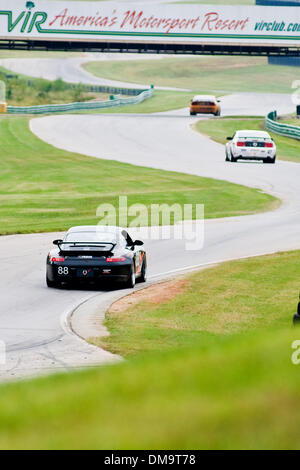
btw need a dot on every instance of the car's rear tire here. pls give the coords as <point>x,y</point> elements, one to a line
<point>218,113</point>
<point>51,284</point>
<point>192,113</point>
<point>232,158</point>
<point>132,279</point>
<point>143,277</point>
<point>227,159</point>
<point>269,160</point>
<point>296,319</point>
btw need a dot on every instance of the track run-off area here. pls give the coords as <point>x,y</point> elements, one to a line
<point>34,319</point>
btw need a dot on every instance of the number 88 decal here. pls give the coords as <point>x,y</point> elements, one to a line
<point>63,270</point>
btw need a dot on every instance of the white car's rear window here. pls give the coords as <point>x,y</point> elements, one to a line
<point>252,135</point>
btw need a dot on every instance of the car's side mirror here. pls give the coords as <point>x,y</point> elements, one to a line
<point>138,243</point>
<point>218,101</point>
<point>57,242</point>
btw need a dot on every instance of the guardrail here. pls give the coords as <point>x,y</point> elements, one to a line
<point>286,130</point>
<point>88,88</point>
<point>138,97</point>
<point>111,90</point>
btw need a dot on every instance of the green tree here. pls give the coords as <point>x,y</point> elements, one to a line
<point>30,5</point>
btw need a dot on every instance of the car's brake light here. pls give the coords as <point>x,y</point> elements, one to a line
<point>241,144</point>
<point>268,144</point>
<point>57,259</point>
<point>115,260</point>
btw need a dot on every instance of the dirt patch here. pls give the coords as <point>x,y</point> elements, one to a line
<point>158,294</point>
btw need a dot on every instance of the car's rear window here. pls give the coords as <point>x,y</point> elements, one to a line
<point>242,135</point>
<point>204,103</point>
<point>91,237</point>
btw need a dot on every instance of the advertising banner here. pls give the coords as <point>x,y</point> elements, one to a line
<point>162,23</point>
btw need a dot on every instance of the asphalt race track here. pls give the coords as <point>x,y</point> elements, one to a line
<point>32,321</point>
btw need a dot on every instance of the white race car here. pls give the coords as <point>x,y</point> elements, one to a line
<point>251,145</point>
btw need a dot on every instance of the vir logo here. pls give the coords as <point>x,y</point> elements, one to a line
<point>27,19</point>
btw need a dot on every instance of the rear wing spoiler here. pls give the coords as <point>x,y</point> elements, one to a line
<point>78,246</point>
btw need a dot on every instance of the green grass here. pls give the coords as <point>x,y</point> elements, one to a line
<point>292,119</point>
<point>219,129</point>
<point>222,379</point>
<point>230,299</point>
<point>46,189</point>
<point>215,74</point>
<point>28,91</point>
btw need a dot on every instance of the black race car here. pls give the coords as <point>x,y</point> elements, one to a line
<point>94,254</point>
<point>296,318</point>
